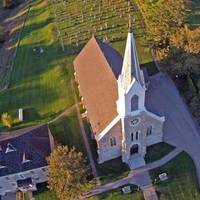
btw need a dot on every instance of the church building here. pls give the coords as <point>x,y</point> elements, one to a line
<point>114,93</point>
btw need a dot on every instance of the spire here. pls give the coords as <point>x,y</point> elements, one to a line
<point>131,67</point>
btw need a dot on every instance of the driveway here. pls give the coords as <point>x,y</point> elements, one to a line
<point>180,129</point>
<point>10,196</point>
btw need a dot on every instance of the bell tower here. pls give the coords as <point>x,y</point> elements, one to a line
<point>131,99</point>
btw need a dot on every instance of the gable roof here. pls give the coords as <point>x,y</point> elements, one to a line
<point>97,68</point>
<point>32,142</point>
<point>113,58</point>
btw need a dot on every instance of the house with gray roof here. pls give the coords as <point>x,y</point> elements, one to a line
<point>23,156</point>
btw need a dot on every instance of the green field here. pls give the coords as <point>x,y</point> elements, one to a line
<point>182,183</point>
<point>66,131</point>
<point>39,82</point>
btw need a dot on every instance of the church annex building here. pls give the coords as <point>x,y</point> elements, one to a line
<point>116,95</point>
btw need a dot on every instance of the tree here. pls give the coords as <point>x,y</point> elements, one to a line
<point>183,63</point>
<point>68,173</point>
<point>184,53</point>
<point>161,19</point>
<point>187,39</point>
<point>6,120</point>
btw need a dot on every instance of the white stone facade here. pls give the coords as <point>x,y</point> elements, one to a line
<point>134,128</point>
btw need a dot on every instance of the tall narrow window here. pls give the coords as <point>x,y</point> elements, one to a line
<point>149,130</point>
<point>137,135</point>
<point>132,137</point>
<point>113,141</point>
<point>134,103</point>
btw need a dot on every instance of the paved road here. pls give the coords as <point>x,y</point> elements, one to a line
<point>180,129</point>
<point>10,196</point>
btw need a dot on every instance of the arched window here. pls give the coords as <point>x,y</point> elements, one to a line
<point>113,141</point>
<point>137,135</point>
<point>134,103</point>
<point>132,137</point>
<point>149,130</point>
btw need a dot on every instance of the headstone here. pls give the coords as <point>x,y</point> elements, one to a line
<point>21,117</point>
<point>126,190</point>
<point>41,50</point>
<point>163,176</point>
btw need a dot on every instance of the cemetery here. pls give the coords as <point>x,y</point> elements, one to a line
<point>77,21</point>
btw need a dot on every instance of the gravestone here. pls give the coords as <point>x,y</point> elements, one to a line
<point>21,117</point>
<point>163,176</point>
<point>126,190</point>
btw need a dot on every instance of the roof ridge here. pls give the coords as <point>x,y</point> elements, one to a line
<point>97,40</point>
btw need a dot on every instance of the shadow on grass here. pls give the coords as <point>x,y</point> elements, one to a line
<point>157,151</point>
<point>66,131</point>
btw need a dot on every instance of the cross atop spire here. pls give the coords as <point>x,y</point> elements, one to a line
<point>130,24</point>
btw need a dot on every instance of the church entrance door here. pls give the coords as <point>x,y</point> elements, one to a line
<point>134,149</point>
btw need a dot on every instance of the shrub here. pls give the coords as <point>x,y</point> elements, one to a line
<point>6,120</point>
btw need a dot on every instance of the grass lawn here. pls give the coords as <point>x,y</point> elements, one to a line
<point>157,151</point>
<point>46,195</point>
<point>112,170</point>
<point>115,194</point>
<point>118,195</point>
<point>182,183</point>
<point>43,193</point>
<point>39,83</point>
<point>66,130</point>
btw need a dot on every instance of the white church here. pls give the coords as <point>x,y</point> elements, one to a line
<point>113,91</point>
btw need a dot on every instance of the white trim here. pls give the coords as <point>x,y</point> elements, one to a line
<point>112,123</point>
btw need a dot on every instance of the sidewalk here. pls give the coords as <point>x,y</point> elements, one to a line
<point>139,177</point>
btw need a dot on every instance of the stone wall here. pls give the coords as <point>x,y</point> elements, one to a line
<point>145,121</point>
<point>105,150</point>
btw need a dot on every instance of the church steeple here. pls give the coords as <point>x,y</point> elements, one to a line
<point>131,67</point>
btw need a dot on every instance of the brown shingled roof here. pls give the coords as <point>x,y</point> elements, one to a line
<point>97,68</point>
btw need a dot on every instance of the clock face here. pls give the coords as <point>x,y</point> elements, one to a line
<point>134,122</point>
